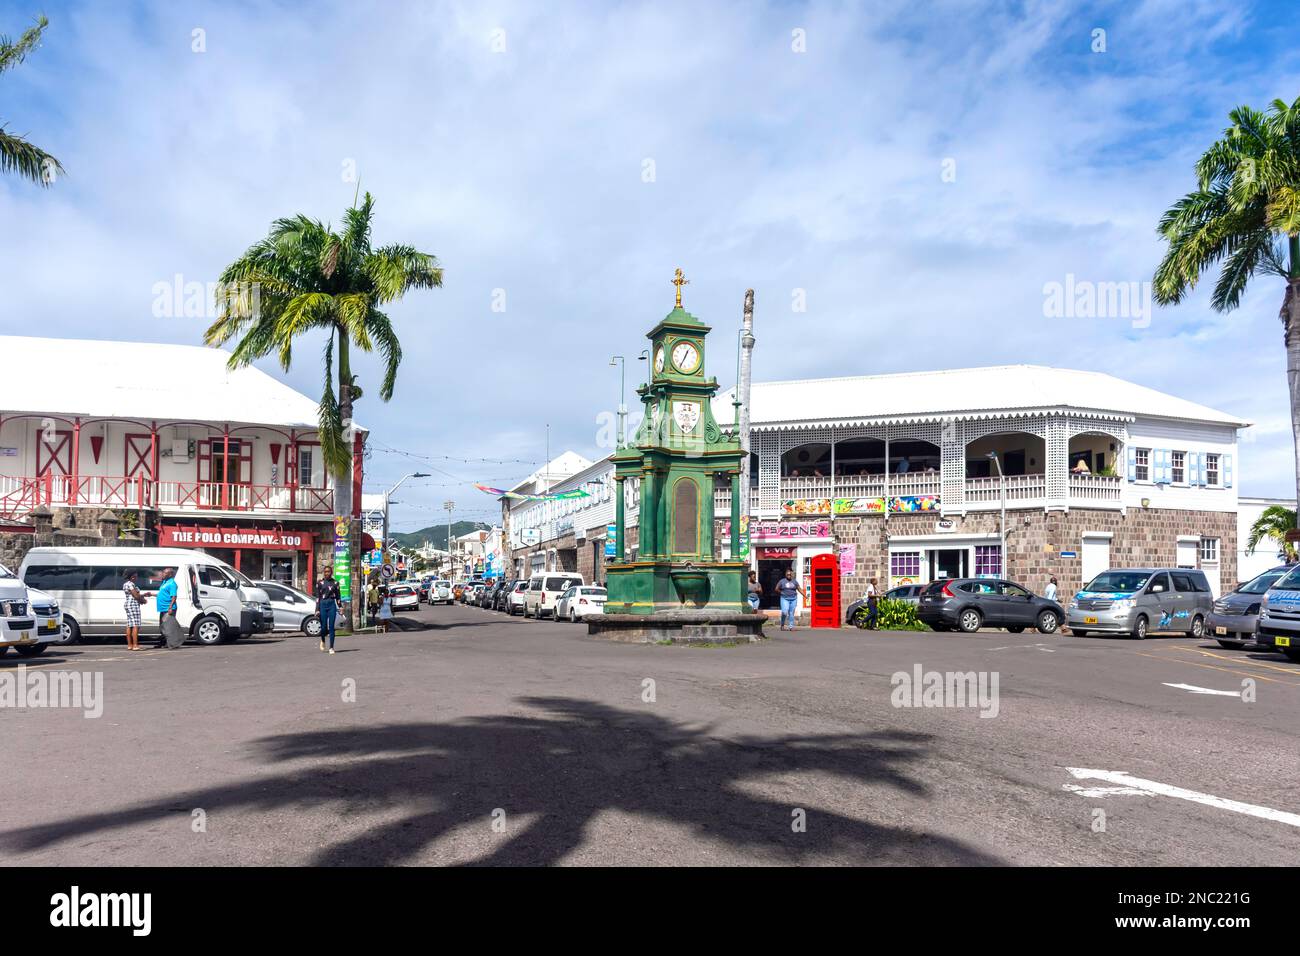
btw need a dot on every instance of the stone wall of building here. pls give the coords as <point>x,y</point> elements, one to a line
<point>69,528</point>
<point>1035,540</point>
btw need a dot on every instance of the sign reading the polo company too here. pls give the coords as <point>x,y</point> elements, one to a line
<point>343,557</point>
<point>175,536</point>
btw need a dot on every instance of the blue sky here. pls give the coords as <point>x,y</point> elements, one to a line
<point>524,170</point>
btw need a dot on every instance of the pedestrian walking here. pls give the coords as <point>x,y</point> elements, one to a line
<point>131,600</point>
<point>1049,592</point>
<point>172,637</point>
<point>755,590</point>
<point>873,606</point>
<point>788,589</point>
<point>372,600</point>
<point>327,606</point>
<point>385,609</point>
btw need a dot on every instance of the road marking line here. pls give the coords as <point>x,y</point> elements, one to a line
<point>1011,647</point>
<point>1203,690</point>
<point>1246,661</point>
<point>1121,778</point>
<point>1169,660</point>
<point>1093,792</point>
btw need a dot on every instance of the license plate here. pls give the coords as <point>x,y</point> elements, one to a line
<point>1282,641</point>
<point>1220,630</point>
<point>1089,620</point>
<point>24,637</point>
<point>51,624</point>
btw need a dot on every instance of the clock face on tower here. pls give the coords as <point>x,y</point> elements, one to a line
<point>686,357</point>
<point>659,359</point>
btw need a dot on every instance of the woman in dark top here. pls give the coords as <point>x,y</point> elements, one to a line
<point>327,605</point>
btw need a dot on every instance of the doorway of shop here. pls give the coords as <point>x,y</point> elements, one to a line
<point>770,571</point>
<point>947,563</point>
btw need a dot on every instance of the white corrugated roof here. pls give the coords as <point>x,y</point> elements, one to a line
<point>143,381</point>
<point>996,392</point>
<point>562,466</point>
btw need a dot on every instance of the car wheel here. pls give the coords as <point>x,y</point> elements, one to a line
<point>573,617</point>
<point>1016,630</point>
<point>1232,645</point>
<point>970,620</point>
<point>30,650</point>
<point>71,631</point>
<point>1048,622</point>
<point>1140,628</point>
<point>208,631</point>
<point>1198,627</point>
<point>311,626</point>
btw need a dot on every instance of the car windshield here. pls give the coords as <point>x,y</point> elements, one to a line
<point>1119,582</point>
<point>1290,581</point>
<point>1262,583</point>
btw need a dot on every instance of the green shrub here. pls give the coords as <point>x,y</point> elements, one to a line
<point>892,615</point>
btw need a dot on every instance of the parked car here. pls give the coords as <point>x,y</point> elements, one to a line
<point>29,618</point>
<point>543,589</point>
<point>440,592</point>
<point>499,593</point>
<point>1279,616</point>
<point>1138,601</point>
<point>579,601</point>
<point>515,599</point>
<point>422,590</point>
<point>1234,616</point>
<point>967,604</point>
<point>475,596</point>
<point>293,610</point>
<point>468,589</point>
<point>404,598</point>
<point>911,593</point>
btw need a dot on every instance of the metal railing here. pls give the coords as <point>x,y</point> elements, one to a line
<point>19,495</point>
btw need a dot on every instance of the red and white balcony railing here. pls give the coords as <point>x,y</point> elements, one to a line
<point>19,495</point>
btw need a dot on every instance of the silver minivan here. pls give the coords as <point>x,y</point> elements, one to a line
<point>1138,601</point>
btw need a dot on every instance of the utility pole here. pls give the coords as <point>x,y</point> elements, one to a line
<point>742,394</point>
<point>451,562</point>
<point>1003,570</point>
<point>622,400</point>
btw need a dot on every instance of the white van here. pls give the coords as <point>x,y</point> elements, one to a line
<point>544,588</point>
<point>29,619</point>
<point>214,602</point>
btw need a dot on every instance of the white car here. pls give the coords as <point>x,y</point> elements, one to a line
<point>577,602</point>
<point>29,619</point>
<point>515,599</point>
<point>404,597</point>
<point>294,610</point>
<point>544,588</point>
<point>440,592</point>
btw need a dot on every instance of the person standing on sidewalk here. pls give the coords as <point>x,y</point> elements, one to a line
<point>172,637</point>
<point>327,606</point>
<point>755,591</point>
<point>788,589</point>
<point>873,604</point>
<point>1049,592</point>
<point>132,599</point>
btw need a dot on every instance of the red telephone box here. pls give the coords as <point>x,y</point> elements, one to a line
<point>824,591</point>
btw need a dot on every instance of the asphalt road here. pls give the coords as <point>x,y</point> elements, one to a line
<point>472,737</point>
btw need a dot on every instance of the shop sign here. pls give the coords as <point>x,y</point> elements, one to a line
<point>945,525</point>
<point>343,557</point>
<point>769,530</point>
<point>742,543</point>
<point>900,504</point>
<point>776,554</point>
<point>806,506</point>
<point>611,540</point>
<point>174,536</point>
<point>530,535</point>
<point>848,558</point>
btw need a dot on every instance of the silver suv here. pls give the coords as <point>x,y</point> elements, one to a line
<point>1137,601</point>
<point>1279,616</point>
<point>1232,623</point>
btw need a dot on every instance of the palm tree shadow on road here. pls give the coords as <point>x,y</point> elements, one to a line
<point>559,769</point>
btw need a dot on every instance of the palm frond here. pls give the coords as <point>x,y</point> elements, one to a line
<point>14,52</point>
<point>26,159</point>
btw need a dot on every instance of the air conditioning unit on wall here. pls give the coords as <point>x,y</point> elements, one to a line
<point>181,450</point>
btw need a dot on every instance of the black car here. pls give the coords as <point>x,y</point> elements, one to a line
<point>911,593</point>
<point>967,604</point>
<point>421,590</point>
<point>500,595</point>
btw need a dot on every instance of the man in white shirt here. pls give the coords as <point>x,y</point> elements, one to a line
<point>1049,592</point>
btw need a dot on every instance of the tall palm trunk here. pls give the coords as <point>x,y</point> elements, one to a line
<point>1290,316</point>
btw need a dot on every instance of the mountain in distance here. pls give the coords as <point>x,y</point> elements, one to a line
<point>436,534</point>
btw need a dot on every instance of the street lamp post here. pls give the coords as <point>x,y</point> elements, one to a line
<point>451,562</point>
<point>622,398</point>
<point>1002,521</point>
<point>383,548</point>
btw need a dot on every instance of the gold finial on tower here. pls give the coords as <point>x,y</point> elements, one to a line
<point>680,280</point>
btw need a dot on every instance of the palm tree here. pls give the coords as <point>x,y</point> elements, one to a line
<point>16,154</point>
<point>304,277</point>
<point>1272,525</point>
<point>1244,212</point>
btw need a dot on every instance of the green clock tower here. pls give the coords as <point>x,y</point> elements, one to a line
<point>679,455</point>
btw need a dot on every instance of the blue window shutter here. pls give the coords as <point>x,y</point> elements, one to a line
<point>1162,476</point>
<point>1226,465</point>
<point>1197,476</point>
<point>1132,463</point>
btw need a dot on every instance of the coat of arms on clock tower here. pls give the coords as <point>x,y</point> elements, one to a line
<point>687,415</point>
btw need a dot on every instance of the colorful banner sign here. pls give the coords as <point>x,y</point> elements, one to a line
<point>806,506</point>
<point>611,541</point>
<point>553,496</point>
<point>743,544</point>
<point>848,558</point>
<point>343,557</point>
<point>760,531</point>
<point>903,504</point>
